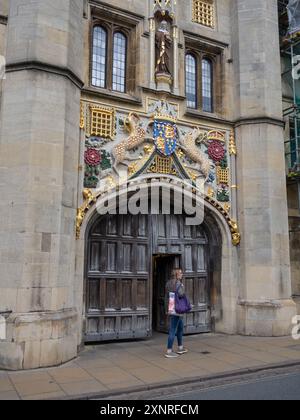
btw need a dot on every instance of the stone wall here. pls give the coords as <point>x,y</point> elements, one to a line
<point>39,146</point>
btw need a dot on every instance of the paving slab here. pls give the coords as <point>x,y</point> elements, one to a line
<point>69,375</point>
<point>26,389</point>
<point>29,377</point>
<point>154,375</point>
<point>57,395</point>
<point>6,384</point>
<point>114,375</point>
<point>83,388</point>
<point>9,396</point>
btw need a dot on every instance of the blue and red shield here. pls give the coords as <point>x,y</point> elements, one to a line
<point>165,136</point>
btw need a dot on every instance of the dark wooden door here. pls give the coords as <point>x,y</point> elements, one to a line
<point>118,273</point>
<point>121,280</point>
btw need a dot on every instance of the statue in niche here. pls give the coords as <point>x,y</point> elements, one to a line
<point>163,49</point>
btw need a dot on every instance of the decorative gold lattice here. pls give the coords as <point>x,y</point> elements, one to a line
<point>163,165</point>
<point>223,175</point>
<point>102,122</point>
<point>204,12</point>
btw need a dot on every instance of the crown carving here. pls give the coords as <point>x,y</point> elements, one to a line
<point>164,117</point>
<point>216,135</point>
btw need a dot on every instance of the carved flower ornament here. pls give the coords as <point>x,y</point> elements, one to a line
<point>216,151</point>
<point>92,157</point>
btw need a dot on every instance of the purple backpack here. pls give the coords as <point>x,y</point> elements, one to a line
<point>182,304</point>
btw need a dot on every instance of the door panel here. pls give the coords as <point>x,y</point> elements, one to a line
<point>118,279</point>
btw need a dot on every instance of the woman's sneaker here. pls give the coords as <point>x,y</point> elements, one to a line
<point>171,355</point>
<point>182,352</point>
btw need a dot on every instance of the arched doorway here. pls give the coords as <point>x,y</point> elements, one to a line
<point>128,259</point>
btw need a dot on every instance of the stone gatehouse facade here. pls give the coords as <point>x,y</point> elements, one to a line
<point>142,91</point>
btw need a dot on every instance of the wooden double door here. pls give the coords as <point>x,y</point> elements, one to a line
<point>128,261</point>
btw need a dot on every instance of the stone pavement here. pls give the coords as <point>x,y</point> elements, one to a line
<point>106,369</point>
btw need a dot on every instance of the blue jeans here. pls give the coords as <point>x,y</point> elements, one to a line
<point>176,330</point>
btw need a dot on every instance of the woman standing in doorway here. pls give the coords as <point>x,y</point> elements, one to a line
<point>175,285</point>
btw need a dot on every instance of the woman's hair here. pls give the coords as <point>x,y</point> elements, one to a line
<point>176,272</point>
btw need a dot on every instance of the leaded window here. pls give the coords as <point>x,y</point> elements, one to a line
<point>99,57</point>
<point>191,81</point>
<point>119,62</point>
<point>207,85</point>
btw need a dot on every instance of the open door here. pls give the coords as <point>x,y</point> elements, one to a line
<point>163,267</point>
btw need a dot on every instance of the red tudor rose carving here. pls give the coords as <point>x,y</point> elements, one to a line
<point>92,157</point>
<point>216,151</point>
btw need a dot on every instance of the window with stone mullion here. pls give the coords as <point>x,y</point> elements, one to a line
<point>109,58</point>
<point>199,81</point>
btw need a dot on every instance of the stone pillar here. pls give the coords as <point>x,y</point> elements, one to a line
<point>39,152</point>
<point>265,307</point>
